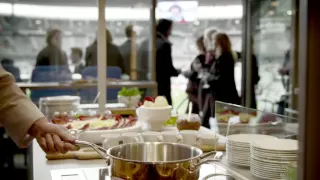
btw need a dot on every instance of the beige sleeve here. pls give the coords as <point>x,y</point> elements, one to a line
<point>17,112</point>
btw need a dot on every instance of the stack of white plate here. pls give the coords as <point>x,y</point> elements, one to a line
<point>61,104</point>
<point>238,147</point>
<point>270,158</point>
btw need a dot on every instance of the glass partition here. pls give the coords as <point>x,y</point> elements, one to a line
<point>271,33</point>
<point>234,119</point>
<point>53,54</point>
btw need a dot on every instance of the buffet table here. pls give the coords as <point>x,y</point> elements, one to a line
<point>41,167</point>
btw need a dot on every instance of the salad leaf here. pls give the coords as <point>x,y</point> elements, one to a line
<point>129,92</point>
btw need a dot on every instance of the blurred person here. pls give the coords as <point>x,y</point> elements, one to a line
<point>224,87</point>
<point>114,57</point>
<point>192,75</point>
<point>76,58</point>
<point>52,54</point>
<point>164,66</point>
<point>9,66</point>
<point>255,77</point>
<point>143,60</point>
<point>284,71</point>
<point>126,47</point>
<point>209,37</point>
<point>23,121</point>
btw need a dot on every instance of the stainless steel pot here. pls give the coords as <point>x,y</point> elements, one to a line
<point>154,160</point>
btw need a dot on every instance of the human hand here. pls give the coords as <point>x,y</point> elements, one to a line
<point>52,138</point>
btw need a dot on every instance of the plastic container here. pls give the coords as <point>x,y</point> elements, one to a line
<point>184,123</point>
<point>50,106</point>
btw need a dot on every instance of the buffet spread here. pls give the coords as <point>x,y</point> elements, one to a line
<point>155,129</point>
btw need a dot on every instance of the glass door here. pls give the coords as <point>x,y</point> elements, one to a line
<point>268,56</point>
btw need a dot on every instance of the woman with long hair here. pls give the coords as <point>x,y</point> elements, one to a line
<point>224,84</point>
<point>52,54</point>
<point>192,75</point>
<point>164,66</point>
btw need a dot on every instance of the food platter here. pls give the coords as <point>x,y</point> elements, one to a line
<point>91,127</point>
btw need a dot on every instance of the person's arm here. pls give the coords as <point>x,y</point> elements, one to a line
<point>24,121</point>
<point>168,58</point>
<point>15,106</point>
<point>192,92</point>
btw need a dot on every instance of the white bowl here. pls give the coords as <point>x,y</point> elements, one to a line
<point>154,114</point>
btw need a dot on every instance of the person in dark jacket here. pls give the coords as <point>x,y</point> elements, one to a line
<point>114,57</point>
<point>164,66</point>
<point>224,84</point>
<point>194,81</point>
<point>52,55</point>
<point>128,47</point>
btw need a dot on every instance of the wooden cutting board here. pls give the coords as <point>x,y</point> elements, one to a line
<point>87,153</point>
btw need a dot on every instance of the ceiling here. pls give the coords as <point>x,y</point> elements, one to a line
<point>116,3</point>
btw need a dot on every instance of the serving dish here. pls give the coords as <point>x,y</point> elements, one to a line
<point>91,127</point>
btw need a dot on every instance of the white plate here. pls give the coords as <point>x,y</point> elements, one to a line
<point>253,165</point>
<point>239,146</point>
<point>283,145</point>
<point>246,164</point>
<point>271,161</point>
<point>293,153</point>
<point>266,177</point>
<point>239,158</point>
<point>275,158</point>
<point>242,156</point>
<point>237,149</point>
<point>290,153</point>
<point>270,165</point>
<point>267,174</point>
<point>248,138</point>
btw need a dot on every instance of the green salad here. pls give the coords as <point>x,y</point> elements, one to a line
<point>129,92</point>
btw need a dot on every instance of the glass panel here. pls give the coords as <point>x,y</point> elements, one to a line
<point>24,29</point>
<point>271,32</point>
<point>220,15</point>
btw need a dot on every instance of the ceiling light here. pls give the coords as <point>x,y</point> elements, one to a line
<point>128,14</point>
<point>289,12</point>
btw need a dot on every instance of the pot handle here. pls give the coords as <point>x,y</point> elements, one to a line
<point>217,153</point>
<point>214,175</point>
<point>217,158</point>
<point>98,149</point>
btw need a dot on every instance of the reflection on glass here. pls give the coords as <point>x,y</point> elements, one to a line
<point>40,45</point>
<point>271,29</point>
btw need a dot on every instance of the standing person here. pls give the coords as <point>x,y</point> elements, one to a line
<point>126,47</point>
<point>193,76</point>
<point>52,55</point>
<point>114,56</point>
<point>76,58</point>
<point>224,87</point>
<point>164,66</point>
